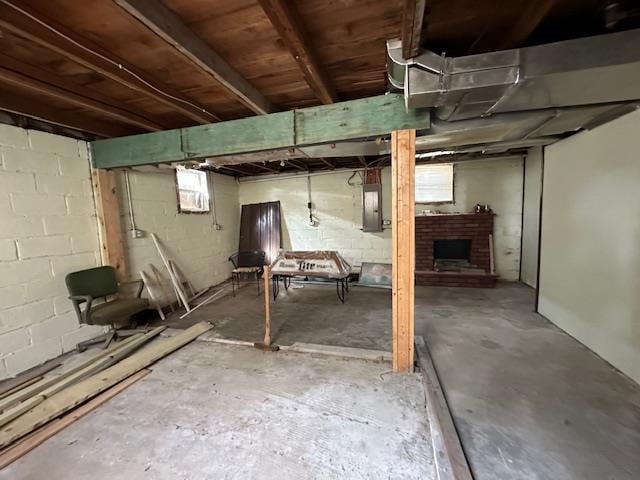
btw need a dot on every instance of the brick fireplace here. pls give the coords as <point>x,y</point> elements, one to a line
<point>452,250</point>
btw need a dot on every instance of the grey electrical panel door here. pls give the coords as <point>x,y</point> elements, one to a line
<point>372,207</point>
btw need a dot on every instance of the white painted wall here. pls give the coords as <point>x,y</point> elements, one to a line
<point>590,258</point>
<point>531,216</point>
<point>498,183</point>
<point>338,206</point>
<point>190,239</point>
<point>338,209</point>
<point>47,229</point>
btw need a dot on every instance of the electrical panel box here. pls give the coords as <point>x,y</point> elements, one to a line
<point>372,207</point>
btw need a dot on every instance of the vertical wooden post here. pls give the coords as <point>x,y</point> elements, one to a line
<point>267,308</point>
<point>108,209</point>
<point>403,149</point>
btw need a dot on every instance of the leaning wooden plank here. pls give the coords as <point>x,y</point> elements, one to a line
<point>165,291</point>
<point>105,362</point>
<point>455,467</point>
<point>14,452</point>
<point>13,384</point>
<point>206,301</point>
<point>176,284</point>
<point>92,386</point>
<point>46,382</point>
<point>153,295</point>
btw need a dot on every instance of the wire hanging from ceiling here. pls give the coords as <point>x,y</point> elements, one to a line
<point>105,58</point>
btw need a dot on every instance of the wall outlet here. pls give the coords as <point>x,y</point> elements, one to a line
<point>137,233</point>
<point>217,226</point>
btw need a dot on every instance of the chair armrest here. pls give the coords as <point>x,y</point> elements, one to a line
<point>138,282</point>
<point>83,317</point>
<point>81,298</point>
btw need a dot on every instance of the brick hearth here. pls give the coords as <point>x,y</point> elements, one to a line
<point>474,227</point>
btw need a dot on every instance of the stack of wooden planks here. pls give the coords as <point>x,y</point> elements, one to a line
<point>32,411</point>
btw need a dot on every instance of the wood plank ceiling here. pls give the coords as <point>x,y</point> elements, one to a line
<point>117,67</point>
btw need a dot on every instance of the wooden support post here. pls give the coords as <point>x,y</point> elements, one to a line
<point>267,308</point>
<point>108,207</point>
<point>403,149</point>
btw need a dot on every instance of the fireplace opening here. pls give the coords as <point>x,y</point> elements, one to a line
<point>451,255</point>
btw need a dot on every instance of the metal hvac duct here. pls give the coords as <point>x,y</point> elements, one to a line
<point>597,70</point>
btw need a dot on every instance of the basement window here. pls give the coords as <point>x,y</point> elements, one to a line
<point>434,183</point>
<point>193,191</point>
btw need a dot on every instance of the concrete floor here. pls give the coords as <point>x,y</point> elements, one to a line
<point>212,411</point>
<point>529,401</point>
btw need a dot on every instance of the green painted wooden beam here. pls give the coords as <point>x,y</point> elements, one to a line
<point>356,119</point>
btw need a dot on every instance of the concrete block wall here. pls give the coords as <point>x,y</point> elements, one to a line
<point>498,183</point>
<point>48,228</point>
<point>190,239</point>
<point>338,208</point>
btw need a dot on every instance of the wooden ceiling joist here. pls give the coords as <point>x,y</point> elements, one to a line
<point>286,21</point>
<point>168,26</point>
<point>27,23</point>
<point>264,167</point>
<point>526,23</point>
<point>56,87</point>
<point>29,107</point>
<point>327,163</point>
<point>412,24</point>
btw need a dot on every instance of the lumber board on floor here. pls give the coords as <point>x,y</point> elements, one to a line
<point>62,383</point>
<point>455,466</point>
<point>14,452</point>
<point>8,387</point>
<point>76,394</point>
<point>46,382</point>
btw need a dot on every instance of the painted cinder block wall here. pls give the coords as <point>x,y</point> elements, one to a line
<point>497,183</point>
<point>191,240</point>
<point>47,228</point>
<point>338,208</point>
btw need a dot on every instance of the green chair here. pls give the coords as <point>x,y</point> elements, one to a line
<point>86,286</point>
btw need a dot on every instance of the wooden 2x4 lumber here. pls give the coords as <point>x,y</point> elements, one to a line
<point>31,107</point>
<point>403,152</point>
<point>76,394</point>
<point>355,119</point>
<point>18,18</point>
<point>68,96</point>
<point>110,230</point>
<point>24,446</point>
<point>46,382</point>
<point>168,26</point>
<point>99,365</point>
<point>286,20</point>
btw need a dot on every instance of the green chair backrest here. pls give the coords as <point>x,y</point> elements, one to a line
<point>97,282</point>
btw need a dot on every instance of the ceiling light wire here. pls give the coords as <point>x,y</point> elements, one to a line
<point>105,58</point>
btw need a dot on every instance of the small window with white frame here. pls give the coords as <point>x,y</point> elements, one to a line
<point>193,191</point>
<point>434,183</point>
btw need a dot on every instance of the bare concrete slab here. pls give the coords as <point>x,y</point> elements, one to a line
<point>530,402</point>
<point>213,411</point>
